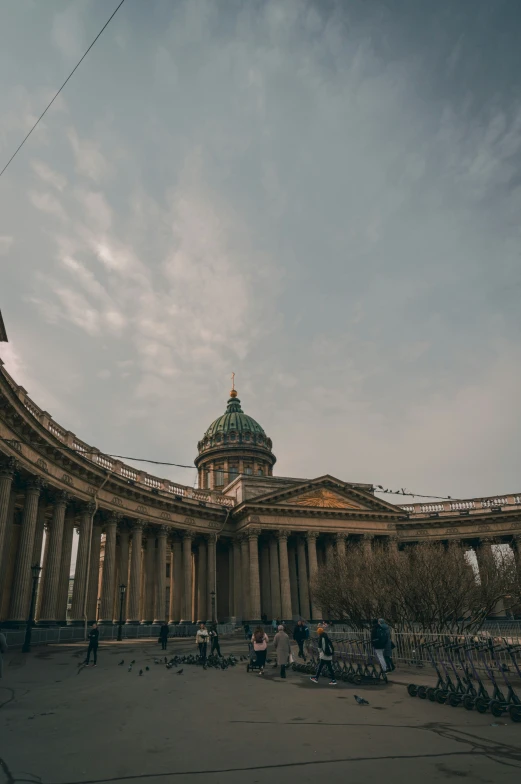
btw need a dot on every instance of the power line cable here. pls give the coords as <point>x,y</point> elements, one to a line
<point>65,448</point>
<point>61,88</point>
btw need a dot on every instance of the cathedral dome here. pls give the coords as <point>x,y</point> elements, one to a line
<point>234,444</point>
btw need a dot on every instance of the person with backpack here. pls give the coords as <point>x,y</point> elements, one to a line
<point>300,635</point>
<point>379,637</point>
<point>325,653</point>
<point>260,646</point>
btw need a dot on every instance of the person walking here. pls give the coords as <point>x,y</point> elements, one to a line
<point>3,649</point>
<point>388,647</point>
<point>214,640</point>
<point>260,646</point>
<point>274,625</point>
<point>378,641</point>
<point>93,638</point>
<point>201,639</point>
<point>283,649</point>
<point>325,654</point>
<point>163,635</point>
<point>300,635</point>
<point>247,631</point>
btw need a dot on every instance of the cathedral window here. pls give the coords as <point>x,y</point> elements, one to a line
<point>260,472</point>
<point>248,470</point>
<point>219,476</point>
<point>233,472</point>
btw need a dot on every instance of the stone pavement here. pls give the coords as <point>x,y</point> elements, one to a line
<point>109,725</point>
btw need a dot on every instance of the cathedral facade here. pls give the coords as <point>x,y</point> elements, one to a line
<point>246,543</point>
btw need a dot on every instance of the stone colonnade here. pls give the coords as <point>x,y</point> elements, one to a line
<point>169,574</point>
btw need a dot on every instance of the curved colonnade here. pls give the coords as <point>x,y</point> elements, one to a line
<point>179,550</point>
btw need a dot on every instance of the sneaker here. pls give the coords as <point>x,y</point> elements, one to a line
<point>332,683</point>
<point>315,680</point>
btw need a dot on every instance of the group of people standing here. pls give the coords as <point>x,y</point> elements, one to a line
<point>204,636</point>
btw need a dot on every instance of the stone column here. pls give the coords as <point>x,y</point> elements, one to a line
<point>312,536</point>
<point>202,587</point>
<point>65,569</point>
<point>264,555</point>
<point>162,533</point>
<point>150,576</point>
<point>237,579</point>
<point>22,583</point>
<point>253,546</point>
<point>330,553</point>
<point>187,571</point>
<point>51,573</point>
<point>340,545</point>
<point>484,557</point>
<point>231,580</point>
<point>176,581</point>
<point>80,575</point>
<point>285,590</point>
<point>516,548</point>
<point>38,533</point>
<point>245,578</point>
<point>212,574</point>
<point>134,577</point>
<point>6,482</point>
<point>11,542</point>
<point>303,582</point>
<point>293,581</point>
<point>109,571</point>
<point>93,576</point>
<point>124,549</point>
<point>45,556</point>
<point>276,610</point>
<point>367,543</point>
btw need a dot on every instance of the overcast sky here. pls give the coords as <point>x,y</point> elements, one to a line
<point>322,197</point>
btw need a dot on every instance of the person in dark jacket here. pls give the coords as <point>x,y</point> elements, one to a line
<point>163,636</point>
<point>300,635</point>
<point>214,640</point>
<point>379,638</point>
<point>388,648</point>
<point>93,638</point>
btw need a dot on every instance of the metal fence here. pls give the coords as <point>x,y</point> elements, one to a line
<point>65,634</point>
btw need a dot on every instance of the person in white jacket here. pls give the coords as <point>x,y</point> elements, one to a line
<point>201,639</point>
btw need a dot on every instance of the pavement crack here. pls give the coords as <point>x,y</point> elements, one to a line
<point>5,768</point>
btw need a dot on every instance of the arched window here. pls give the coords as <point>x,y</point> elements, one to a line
<point>248,470</point>
<point>219,476</point>
<point>260,472</point>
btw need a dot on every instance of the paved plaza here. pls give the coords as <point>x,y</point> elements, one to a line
<point>108,725</point>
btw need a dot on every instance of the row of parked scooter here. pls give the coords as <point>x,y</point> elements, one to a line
<point>471,673</point>
<point>354,662</point>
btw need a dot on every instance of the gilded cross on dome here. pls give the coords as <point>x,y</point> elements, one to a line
<point>233,392</point>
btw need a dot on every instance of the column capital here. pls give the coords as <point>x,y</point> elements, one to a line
<point>162,530</point>
<point>253,533</point>
<point>310,535</point>
<point>517,538</point>
<point>123,527</point>
<point>282,534</point>
<point>8,467</point>
<point>188,535</point>
<point>367,537</point>
<point>340,537</point>
<point>137,525</point>
<point>113,519</point>
<point>484,540</point>
<point>62,498</point>
<point>88,508</point>
<point>35,485</point>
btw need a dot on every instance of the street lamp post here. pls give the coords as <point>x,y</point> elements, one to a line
<point>122,590</point>
<point>212,594</point>
<point>99,605</point>
<point>35,570</point>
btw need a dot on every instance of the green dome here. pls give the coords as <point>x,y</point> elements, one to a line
<point>234,420</point>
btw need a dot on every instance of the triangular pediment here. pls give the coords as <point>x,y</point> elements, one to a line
<point>326,492</point>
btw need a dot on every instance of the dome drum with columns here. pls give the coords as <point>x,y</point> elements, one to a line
<point>254,539</point>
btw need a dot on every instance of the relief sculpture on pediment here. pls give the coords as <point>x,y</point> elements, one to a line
<point>321,497</point>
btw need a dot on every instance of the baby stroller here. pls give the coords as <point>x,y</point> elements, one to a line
<point>252,659</point>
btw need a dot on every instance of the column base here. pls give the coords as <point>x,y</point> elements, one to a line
<point>132,623</point>
<point>189,623</point>
<point>105,623</point>
<point>146,623</point>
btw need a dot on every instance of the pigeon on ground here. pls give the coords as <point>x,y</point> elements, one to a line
<point>141,672</point>
<point>360,700</point>
<point>147,668</point>
<point>133,661</point>
<point>130,668</point>
<point>179,672</point>
<point>121,662</point>
<point>165,659</point>
<point>156,661</point>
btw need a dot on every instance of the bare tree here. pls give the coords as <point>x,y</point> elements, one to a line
<point>428,587</point>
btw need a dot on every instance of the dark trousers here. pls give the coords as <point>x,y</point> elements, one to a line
<point>216,647</point>
<point>301,653</point>
<point>260,658</point>
<point>283,670</point>
<point>202,651</point>
<point>329,665</point>
<point>163,643</point>
<point>93,647</point>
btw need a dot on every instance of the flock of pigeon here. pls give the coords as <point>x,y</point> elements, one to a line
<point>218,663</point>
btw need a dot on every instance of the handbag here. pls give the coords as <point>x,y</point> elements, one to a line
<point>291,659</point>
